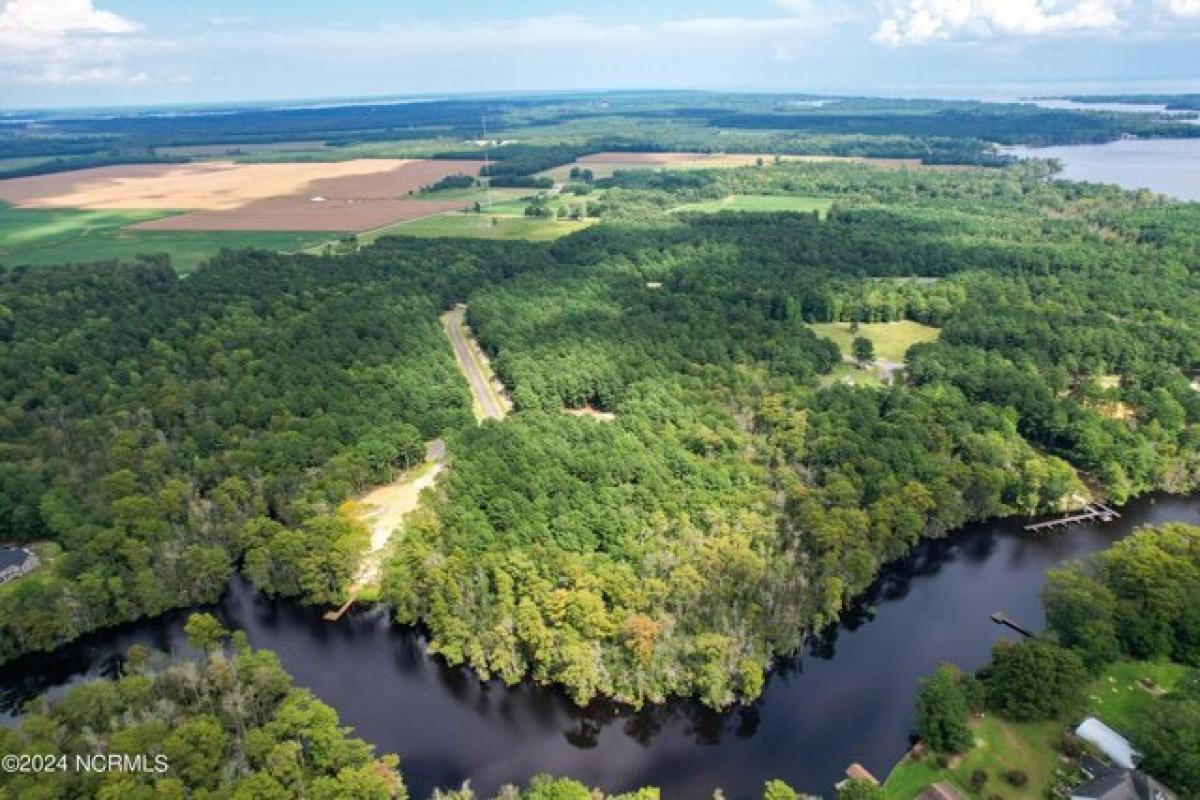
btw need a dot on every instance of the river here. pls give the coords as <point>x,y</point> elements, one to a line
<point>1166,166</point>
<point>847,698</point>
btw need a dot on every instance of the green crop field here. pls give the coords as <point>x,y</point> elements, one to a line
<point>481,226</point>
<point>39,237</point>
<point>761,202</point>
<point>891,339</point>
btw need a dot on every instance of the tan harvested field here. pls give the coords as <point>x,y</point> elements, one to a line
<point>326,196</point>
<point>603,165</point>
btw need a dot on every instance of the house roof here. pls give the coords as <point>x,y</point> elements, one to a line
<point>858,772</point>
<point>940,791</point>
<point>12,557</point>
<point>1111,743</point>
<point>1129,784</point>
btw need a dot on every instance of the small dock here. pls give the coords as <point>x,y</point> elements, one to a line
<point>334,615</point>
<point>1000,618</point>
<point>1092,512</point>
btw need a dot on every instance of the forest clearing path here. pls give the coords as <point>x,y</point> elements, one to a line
<point>490,399</point>
<point>383,510</point>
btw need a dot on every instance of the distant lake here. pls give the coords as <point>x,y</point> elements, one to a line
<point>1128,108</point>
<point>1167,166</point>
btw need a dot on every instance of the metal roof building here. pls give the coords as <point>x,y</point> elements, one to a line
<point>1111,743</point>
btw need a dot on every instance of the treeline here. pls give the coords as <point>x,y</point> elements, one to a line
<point>1009,124</point>
<point>89,161</point>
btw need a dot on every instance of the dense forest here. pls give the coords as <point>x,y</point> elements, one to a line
<point>161,432</point>
<point>734,496</point>
<point>156,429</point>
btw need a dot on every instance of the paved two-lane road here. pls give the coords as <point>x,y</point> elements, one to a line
<point>469,361</point>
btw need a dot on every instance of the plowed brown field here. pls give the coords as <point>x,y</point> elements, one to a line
<point>327,196</point>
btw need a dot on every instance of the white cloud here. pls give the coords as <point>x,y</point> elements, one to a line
<point>64,41</point>
<point>1181,8</point>
<point>924,21</point>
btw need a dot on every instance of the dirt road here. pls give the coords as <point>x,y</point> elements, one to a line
<point>489,400</point>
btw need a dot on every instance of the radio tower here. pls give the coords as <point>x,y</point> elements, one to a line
<point>486,164</point>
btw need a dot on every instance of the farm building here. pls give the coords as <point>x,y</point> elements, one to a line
<point>15,562</point>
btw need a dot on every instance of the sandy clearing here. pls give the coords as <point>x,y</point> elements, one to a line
<point>384,508</point>
<point>589,411</point>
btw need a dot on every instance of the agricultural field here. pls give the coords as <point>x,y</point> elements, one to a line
<point>603,165</point>
<point>891,339</point>
<point>345,196</point>
<point>37,237</point>
<point>481,226</point>
<point>761,202</point>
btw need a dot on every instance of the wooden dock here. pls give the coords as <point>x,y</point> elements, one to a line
<point>335,614</point>
<point>1000,618</point>
<point>1092,512</point>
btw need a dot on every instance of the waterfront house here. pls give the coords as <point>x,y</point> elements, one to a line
<point>1122,784</point>
<point>15,562</point>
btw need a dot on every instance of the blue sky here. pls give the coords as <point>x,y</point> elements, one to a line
<point>97,52</point>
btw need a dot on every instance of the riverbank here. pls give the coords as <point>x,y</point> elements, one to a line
<point>846,698</point>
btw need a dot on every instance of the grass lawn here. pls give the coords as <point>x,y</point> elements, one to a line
<point>761,202</point>
<point>1117,698</point>
<point>40,237</point>
<point>481,226</point>
<point>891,339</point>
<point>854,375</point>
<point>1001,746</point>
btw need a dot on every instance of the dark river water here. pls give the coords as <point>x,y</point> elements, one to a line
<point>847,698</point>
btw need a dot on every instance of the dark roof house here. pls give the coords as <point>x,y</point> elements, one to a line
<point>15,562</point>
<point>940,791</point>
<point>1122,784</point>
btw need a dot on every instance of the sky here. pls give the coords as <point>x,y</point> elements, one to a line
<point>141,52</point>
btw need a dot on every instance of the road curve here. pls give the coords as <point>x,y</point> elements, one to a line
<point>469,362</point>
